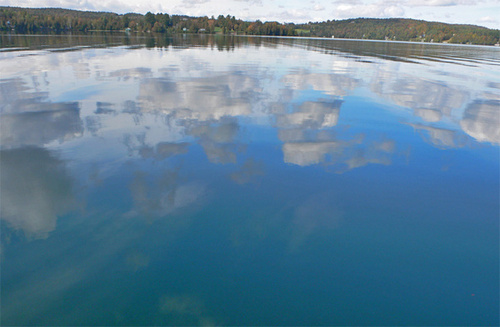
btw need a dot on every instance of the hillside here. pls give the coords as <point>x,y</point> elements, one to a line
<point>31,20</point>
<point>402,30</point>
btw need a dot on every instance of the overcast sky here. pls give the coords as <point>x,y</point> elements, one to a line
<point>477,12</point>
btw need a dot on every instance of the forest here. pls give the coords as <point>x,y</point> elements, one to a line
<point>55,20</point>
<point>402,30</point>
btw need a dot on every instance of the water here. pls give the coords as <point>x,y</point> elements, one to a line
<point>248,181</point>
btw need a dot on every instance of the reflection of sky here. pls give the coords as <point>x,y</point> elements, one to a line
<point>186,85</point>
<point>102,106</point>
<point>35,190</point>
<point>179,158</point>
<point>482,121</point>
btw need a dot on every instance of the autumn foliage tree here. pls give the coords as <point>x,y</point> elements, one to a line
<point>28,20</point>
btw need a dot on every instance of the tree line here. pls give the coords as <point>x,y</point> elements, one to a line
<point>402,30</point>
<point>31,20</point>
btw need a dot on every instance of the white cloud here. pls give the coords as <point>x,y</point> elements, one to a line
<point>377,10</point>
<point>488,19</point>
<point>251,2</point>
<point>440,3</point>
<point>448,11</point>
<point>318,7</point>
<point>194,3</point>
<point>291,15</point>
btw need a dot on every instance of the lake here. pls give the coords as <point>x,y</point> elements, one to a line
<point>224,180</point>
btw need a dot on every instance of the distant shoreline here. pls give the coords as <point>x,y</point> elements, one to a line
<point>369,40</point>
<point>48,20</point>
<point>146,34</point>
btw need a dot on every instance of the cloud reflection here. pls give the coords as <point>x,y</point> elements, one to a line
<point>430,100</point>
<point>344,155</point>
<point>137,260</point>
<point>376,152</point>
<point>185,310</point>
<point>312,115</point>
<point>330,84</point>
<point>201,99</point>
<point>310,140</point>
<point>247,172</point>
<point>162,197</point>
<point>310,153</point>
<point>166,112</point>
<point>218,140</point>
<point>315,215</point>
<point>35,190</point>
<point>435,101</point>
<point>482,121</point>
<point>61,123</point>
<point>441,138</point>
<point>28,119</point>
<point>160,151</point>
<point>131,73</point>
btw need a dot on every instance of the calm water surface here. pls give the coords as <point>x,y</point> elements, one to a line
<point>248,181</point>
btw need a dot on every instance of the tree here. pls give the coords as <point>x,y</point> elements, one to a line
<point>149,20</point>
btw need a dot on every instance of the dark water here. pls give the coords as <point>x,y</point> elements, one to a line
<point>248,181</point>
